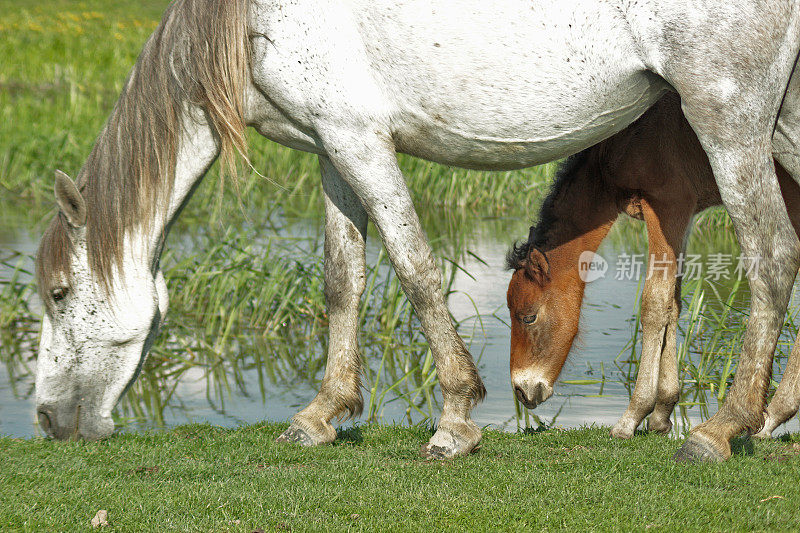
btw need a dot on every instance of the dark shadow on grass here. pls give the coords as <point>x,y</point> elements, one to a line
<point>541,428</point>
<point>349,436</point>
<point>742,446</point>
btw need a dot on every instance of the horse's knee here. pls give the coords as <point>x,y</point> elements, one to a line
<point>345,276</point>
<point>420,277</point>
<point>343,286</point>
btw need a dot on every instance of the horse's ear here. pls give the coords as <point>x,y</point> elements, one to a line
<point>537,267</point>
<point>70,200</point>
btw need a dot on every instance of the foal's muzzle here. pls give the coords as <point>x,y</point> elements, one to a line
<point>532,392</point>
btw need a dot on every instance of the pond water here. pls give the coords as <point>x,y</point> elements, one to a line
<point>594,387</point>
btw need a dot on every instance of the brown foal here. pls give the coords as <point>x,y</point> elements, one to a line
<point>656,171</point>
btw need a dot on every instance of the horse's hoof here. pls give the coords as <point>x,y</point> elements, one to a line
<point>621,431</point>
<point>445,444</point>
<point>296,435</point>
<point>699,449</point>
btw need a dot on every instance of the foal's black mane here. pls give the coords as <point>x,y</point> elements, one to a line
<point>566,175</point>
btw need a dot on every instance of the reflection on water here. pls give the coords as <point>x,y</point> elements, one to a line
<point>246,335</point>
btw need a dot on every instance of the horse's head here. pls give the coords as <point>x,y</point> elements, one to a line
<point>544,301</point>
<point>95,332</point>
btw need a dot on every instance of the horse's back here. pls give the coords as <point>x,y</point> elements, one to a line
<point>503,84</point>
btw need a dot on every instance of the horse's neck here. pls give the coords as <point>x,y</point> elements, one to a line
<point>198,148</point>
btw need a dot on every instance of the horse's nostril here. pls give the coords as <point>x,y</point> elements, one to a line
<point>44,420</point>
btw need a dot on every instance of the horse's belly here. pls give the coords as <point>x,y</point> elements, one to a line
<point>496,140</point>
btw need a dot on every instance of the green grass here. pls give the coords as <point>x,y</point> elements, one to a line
<point>202,478</point>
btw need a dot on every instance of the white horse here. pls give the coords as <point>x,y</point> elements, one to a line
<point>491,85</point>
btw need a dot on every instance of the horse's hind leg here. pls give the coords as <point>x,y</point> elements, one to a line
<point>657,381</point>
<point>345,235</point>
<point>749,189</point>
<point>786,402</point>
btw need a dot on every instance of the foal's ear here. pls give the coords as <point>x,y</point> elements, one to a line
<point>70,200</point>
<point>537,267</point>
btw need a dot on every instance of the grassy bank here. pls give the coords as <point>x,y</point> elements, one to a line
<point>210,479</point>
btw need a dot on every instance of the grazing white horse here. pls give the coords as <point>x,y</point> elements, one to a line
<point>491,85</point>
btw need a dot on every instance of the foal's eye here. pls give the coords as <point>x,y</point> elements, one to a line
<point>530,319</point>
<point>59,294</point>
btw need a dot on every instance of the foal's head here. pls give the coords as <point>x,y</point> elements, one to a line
<point>544,299</point>
<point>546,289</point>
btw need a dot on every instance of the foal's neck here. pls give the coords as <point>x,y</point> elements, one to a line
<point>577,215</point>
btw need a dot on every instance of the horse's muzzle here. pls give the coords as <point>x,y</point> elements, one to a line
<point>72,424</point>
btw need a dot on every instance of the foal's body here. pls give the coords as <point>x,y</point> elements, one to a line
<point>499,85</point>
<point>656,171</point>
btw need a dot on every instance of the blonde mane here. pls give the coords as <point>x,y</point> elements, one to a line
<point>198,55</point>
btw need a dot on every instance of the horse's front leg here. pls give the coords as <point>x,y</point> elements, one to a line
<point>345,236</point>
<point>656,382</point>
<point>367,161</point>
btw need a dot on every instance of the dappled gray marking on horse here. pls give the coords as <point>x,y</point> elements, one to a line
<point>654,170</point>
<point>509,85</point>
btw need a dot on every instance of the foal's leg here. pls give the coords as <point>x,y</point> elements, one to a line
<point>345,235</point>
<point>367,161</point>
<point>657,386</point>
<point>669,387</point>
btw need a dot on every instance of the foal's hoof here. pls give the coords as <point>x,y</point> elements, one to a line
<point>662,427</point>
<point>699,449</point>
<point>445,444</point>
<point>296,435</point>
<point>764,434</point>
<point>766,431</point>
<point>432,452</point>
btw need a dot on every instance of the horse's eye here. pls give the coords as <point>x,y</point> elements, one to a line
<point>59,294</point>
<point>530,319</point>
